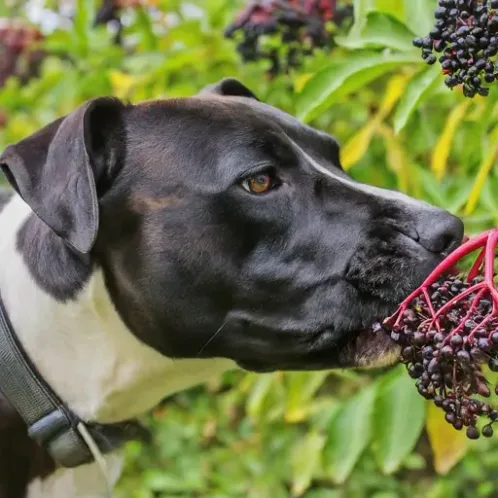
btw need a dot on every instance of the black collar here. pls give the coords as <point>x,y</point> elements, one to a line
<point>50,422</point>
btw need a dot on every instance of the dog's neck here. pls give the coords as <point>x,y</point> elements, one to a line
<point>81,347</point>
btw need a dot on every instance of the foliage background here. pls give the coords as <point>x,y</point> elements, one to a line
<point>315,435</point>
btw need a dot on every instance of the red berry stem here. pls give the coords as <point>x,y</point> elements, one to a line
<point>489,240</point>
<point>471,311</point>
<point>476,267</point>
<point>489,262</point>
<point>459,297</point>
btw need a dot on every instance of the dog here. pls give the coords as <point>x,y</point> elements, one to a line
<point>146,248</point>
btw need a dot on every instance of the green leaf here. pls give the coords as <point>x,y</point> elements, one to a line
<point>419,15</point>
<point>300,390</point>
<point>418,88</point>
<point>144,25</point>
<point>343,77</point>
<point>396,9</point>
<point>81,23</point>
<point>488,197</point>
<point>381,30</point>
<point>361,8</point>
<point>349,435</point>
<point>398,419</point>
<point>258,395</point>
<point>306,461</point>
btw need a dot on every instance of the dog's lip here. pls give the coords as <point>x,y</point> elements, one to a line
<point>367,347</point>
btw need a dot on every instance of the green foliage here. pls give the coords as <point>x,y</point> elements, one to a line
<point>316,435</point>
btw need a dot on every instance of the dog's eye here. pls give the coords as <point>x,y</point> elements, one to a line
<point>260,183</point>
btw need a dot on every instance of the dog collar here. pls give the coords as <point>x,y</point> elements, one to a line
<point>65,437</point>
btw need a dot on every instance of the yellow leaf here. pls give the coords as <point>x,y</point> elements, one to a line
<point>484,169</point>
<point>396,157</point>
<point>358,145</point>
<point>395,87</point>
<point>448,445</point>
<point>122,84</point>
<point>442,150</point>
<point>301,80</point>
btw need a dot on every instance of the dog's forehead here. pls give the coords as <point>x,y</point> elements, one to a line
<point>221,125</point>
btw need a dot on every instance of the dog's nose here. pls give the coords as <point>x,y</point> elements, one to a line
<point>440,231</point>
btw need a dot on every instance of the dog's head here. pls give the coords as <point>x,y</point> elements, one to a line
<point>227,228</point>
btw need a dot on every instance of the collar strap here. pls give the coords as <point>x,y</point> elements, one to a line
<point>52,424</point>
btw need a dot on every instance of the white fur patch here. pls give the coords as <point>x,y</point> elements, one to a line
<point>82,482</point>
<point>85,352</point>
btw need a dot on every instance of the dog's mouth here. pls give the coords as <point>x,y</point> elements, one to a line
<point>370,347</point>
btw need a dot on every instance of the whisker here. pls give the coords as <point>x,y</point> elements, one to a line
<point>211,339</point>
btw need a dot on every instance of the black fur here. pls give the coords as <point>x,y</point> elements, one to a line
<point>197,266</point>
<point>285,280</point>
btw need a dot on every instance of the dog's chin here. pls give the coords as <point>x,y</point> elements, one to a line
<point>370,349</point>
<point>365,349</point>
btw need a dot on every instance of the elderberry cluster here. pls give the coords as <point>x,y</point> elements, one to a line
<point>19,55</point>
<point>300,27</point>
<point>466,33</point>
<point>447,361</point>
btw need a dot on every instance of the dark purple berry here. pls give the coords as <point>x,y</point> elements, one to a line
<point>472,433</point>
<point>487,431</point>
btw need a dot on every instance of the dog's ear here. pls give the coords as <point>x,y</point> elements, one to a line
<point>61,170</point>
<point>229,87</point>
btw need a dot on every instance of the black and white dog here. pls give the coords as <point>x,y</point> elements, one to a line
<point>150,246</point>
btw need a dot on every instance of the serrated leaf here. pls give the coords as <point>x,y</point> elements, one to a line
<point>419,15</point>
<point>343,77</point>
<point>418,88</point>
<point>381,30</point>
<point>306,461</point>
<point>441,151</point>
<point>398,419</point>
<point>349,435</point>
<point>448,445</point>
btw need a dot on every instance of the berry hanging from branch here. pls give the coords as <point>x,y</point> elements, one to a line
<point>465,33</point>
<point>20,54</point>
<point>301,26</point>
<point>448,329</point>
